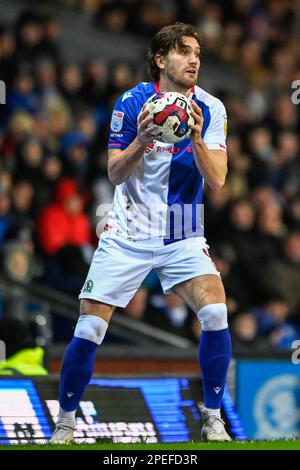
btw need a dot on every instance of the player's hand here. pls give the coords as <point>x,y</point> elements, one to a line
<point>146,128</point>
<point>198,116</point>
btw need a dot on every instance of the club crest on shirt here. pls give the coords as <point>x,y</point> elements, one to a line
<point>117,120</point>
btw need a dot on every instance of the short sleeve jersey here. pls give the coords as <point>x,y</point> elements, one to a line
<point>162,200</point>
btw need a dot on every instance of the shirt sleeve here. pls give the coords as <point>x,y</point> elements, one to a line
<point>216,133</point>
<point>123,126</point>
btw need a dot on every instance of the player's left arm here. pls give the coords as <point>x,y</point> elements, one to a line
<point>211,163</point>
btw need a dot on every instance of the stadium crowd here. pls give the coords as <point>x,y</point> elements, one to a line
<point>53,133</point>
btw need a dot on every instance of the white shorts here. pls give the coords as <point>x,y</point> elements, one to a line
<point>119,266</point>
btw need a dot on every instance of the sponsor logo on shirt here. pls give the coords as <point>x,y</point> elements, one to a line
<point>171,149</point>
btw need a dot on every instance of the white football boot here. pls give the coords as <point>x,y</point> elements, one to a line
<point>213,429</point>
<point>63,434</point>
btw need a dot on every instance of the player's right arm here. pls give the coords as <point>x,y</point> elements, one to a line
<point>122,163</point>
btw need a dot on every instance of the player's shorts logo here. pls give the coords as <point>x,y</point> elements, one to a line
<point>88,287</point>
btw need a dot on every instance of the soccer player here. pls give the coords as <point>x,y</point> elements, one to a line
<point>146,230</point>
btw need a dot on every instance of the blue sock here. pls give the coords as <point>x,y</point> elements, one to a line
<point>76,373</point>
<point>214,358</point>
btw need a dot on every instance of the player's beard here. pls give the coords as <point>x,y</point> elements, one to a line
<point>179,78</point>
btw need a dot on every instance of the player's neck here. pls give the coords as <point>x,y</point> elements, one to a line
<point>165,84</point>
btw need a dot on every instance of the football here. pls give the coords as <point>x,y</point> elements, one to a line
<point>171,112</point>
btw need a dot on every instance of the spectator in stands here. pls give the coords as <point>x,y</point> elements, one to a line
<point>29,160</point>
<point>63,222</point>
<point>282,274</point>
<point>95,79</point>
<point>239,166</point>
<point>274,322</point>
<point>270,232</point>
<point>5,220</point>
<point>238,295</point>
<point>22,210</point>
<point>51,172</point>
<point>63,232</point>
<point>122,78</point>
<point>239,236</point>
<point>113,15</point>
<point>71,83</point>
<point>216,212</point>
<point>22,95</point>
<point>30,35</point>
<point>245,337</point>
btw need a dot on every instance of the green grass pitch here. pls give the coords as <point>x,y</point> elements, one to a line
<point>234,445</point>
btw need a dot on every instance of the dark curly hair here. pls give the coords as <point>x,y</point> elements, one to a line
<point>168,38</point>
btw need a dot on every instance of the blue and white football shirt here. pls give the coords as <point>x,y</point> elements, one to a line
<point>162,199</point>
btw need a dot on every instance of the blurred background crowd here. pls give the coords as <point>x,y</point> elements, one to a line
<point>53,135</point>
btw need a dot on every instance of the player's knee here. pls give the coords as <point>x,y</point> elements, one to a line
<point>98,309</point>
<point>213,317</point>
<point>91,328</point>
